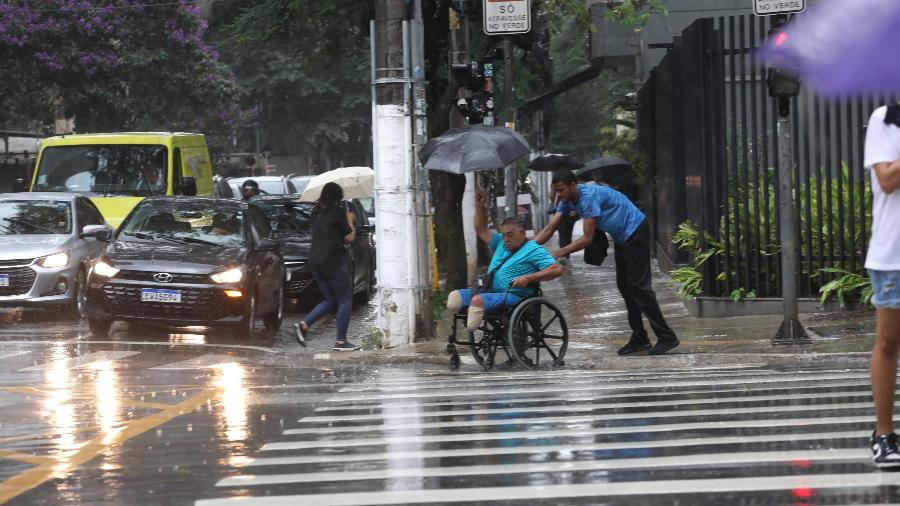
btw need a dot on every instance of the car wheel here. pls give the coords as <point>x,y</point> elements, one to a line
<point>245,328</point>
<point>80,299</point>
<point>273,320</point>
<point>99,326</point>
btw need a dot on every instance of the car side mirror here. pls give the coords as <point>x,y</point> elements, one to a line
<point>104,235</point>
<point>266,245</point>
<point>188,187</point>
<point>92,231</point>
<point>19,186</point>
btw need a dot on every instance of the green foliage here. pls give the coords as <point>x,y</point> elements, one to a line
<point>689,281</point>
<point>742,293</point>
<point>438,304</point>
<point>634,12</point>
<point>846,284</point>
<point>374,340</point>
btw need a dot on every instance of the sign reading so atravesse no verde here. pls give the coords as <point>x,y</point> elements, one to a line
<point>771,7</point>
<point>504,17</point>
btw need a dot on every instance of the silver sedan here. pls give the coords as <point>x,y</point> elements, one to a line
<point>46,242</point>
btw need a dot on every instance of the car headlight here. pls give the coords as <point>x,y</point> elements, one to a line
<point>60,259</point>
<point>105,270</point>
<point>229,276</point>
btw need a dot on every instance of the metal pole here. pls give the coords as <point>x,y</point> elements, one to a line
<point>511,175</point>
<point>791,330</point>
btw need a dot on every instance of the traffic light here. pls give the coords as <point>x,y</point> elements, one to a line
<point>478,79</point>
<point>781,83</point>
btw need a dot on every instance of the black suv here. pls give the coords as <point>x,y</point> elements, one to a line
<point>189,261</point>
<point>292,227</point>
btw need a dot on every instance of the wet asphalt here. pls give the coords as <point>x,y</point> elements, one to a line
<point>165,417</point>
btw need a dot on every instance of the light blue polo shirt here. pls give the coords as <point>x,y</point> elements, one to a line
<point>615,213</point>
<point>531,257</point>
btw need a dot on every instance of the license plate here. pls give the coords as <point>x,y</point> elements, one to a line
<point>4,279</point>
<point>160,295</point>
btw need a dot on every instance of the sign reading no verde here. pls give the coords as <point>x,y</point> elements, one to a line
<point>770,7</point>
<point>503,17</point>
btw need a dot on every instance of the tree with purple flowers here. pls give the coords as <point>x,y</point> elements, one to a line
<point>113,65</point>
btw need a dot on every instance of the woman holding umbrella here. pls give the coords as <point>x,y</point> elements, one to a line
<point>332,228</point>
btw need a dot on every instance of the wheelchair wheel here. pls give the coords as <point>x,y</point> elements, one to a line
<point>538,335</point>
<point>485,342</point>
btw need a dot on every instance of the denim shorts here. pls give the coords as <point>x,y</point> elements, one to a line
<point>491,300</point>
<point>885,288</point>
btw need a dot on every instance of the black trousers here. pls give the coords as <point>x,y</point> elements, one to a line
<point>634,282</point>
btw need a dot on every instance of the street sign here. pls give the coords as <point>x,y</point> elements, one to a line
<point>772,7</point>
<point>505,17</point>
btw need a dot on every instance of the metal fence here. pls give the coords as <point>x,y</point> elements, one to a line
<point>708,131</point>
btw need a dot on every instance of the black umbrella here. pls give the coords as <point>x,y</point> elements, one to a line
<point>461,150</point>
<point>554,162</point>
<point>602,167</point>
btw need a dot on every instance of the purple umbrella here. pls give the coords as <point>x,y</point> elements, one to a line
<point>842,47</point>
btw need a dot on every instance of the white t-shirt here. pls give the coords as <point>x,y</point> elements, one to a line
<point>883,146</point>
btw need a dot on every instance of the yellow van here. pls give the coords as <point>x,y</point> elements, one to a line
<point>117,170</point>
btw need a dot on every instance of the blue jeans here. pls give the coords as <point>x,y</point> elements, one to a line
<point>337,287</point>
<point>885,289</point>
<point>492,300</point>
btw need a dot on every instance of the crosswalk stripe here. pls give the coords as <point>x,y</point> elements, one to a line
<point>573,386</point>
<point>82,361</point>
<point>569,490</point>
<point>201,362</point>
<point>522,420</point>
<point>588,406</point>
<point>847,386</point>
<point>545,449</point>
<point>522,378</point>
<point>551,467</point>
<point>566,432</point>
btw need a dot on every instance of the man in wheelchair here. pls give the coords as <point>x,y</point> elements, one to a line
<point>516,266</point>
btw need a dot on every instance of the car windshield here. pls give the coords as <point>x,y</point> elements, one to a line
<point>300,183</point>
<point>272,187</point>
<point>368,204</point>
<point>194,223</point>
<point>104,168</point>
<point>19,217</point>
<point>288,217</point>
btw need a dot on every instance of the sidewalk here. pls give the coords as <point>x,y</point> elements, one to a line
<point>598,326</point>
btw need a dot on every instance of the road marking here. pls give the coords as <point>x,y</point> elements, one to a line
<point>721,459</point>
<point>573,386</point>
<point>582,407</point>
<point>569,490</point>
<point>145,343</point>
<point>590,398</point>
<point>566,432</point>
<point>82,361</point>
<point>13,354</point>
<point>201,362</point>
<point>31,478</point>
<point>546,449</point>
<point>24,457</point>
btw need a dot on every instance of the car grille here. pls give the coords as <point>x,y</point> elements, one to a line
<point>196,304</point>
<point>193,279</point>
<point>20,278</point>
<point>295,287</point>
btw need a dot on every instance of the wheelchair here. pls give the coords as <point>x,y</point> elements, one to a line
<point>532,333</point>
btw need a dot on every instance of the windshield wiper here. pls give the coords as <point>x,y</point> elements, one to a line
<point>29,224</point>
<point>194,240</point>
<point>14,231</point>
<point>141,235</point>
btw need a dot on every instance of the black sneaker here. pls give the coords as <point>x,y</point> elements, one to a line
<point>301,334</point>
<point>637,342</point>
<point>663,346</point>
<point>884,451</point>
<point>345,346</point>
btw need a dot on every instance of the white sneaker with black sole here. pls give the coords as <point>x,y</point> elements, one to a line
<point>885,454</point>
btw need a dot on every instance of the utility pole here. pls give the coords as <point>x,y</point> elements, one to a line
<point>511,176</point>
<point>404,289</point>
<point>782,88</point>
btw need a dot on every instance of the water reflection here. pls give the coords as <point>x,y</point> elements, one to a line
<point>188,338</point>
<point>392,412</point>
<point>58,400</point>
<point>233,396</point>
<point>108,402</point>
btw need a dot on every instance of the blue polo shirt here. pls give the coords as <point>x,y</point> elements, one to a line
<point>615,213</point>
<point>531,257</point>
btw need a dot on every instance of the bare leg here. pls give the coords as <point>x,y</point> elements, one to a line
<point>884,368</point>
